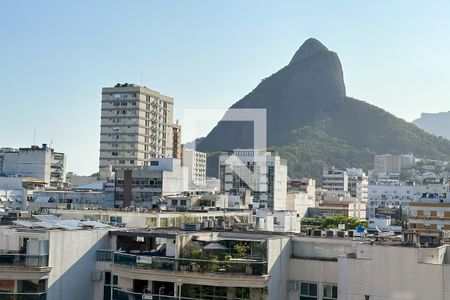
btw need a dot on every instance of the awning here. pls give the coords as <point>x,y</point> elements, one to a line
<point>215,246</point>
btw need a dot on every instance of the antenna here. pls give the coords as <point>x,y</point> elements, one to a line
<point>142,75</point>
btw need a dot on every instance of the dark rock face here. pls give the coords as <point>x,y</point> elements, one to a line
<point>435,123</point>
<point>311,85</point>
<point>312,122</point>
<point>310,47</point>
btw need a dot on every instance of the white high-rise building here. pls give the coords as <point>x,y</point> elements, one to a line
<point>392,163</point>
<point>334,180</point>
<point>136,126</point>
<point>358,184</point>
<point>195,161</point>
<point>262,172</point>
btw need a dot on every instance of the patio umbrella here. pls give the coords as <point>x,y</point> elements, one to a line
<point>214,246</point>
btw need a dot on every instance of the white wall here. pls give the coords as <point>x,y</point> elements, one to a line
<point>279,254</point>
<point>387,272</point>
<point>72,257</point>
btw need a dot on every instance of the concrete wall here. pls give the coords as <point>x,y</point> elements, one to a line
<point>314,271</point>
<point>72,256</point>
<point>388,272</point>
<point>300,202</point>
<point>279,254</point>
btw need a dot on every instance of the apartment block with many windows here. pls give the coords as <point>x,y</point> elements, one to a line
<point>136,125</point>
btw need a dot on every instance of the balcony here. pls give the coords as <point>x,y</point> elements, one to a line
<point>23,260</point>
<point>105,255</point>
<point>119,294</point>
<point>24,296</point>
<point>233,266</point>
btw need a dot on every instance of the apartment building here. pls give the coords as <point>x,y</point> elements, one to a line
<point>301,195</point>
<point>195,162</point>
<point>394,196</point>
<point>49,259</point>
<point>358,184</point>
<point>347,269</point>
<point>426,219</point>
<point>41,163</point>
<point>144,186</point>
<point>334,180</point>
<point>263,173</point>
<point>178,264</point>
<point>392,163</point>
<point>176,133</point>
<point>335,204</point>
<point>136,126</point>
<point>379,178</point>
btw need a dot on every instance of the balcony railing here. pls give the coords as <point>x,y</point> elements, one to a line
<point>23,260</point>
<point>105,255</point>
<point>233,266</point>
<point>22,296</point>
<point>119,294</point>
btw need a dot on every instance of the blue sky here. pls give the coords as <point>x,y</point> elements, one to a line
<point>56,55</point>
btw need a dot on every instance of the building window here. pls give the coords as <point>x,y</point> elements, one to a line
<point>330,292</point>
<point>174,202</point>
<point>108,287</point>
<point>308,291</point>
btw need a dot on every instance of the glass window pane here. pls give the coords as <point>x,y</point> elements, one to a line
<point>327,291</point>
<point>335,292</point>
<point>27,286</point>
<point>304,289</point>
<point>107,278</point>
<point>107,293</point>
<point>312,289</point>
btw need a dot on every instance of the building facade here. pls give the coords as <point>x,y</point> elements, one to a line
<point>358,184</point>
<point>136,125</point>
<point>335,180</point>
<point>264,173</point>
<point>41,163</point>
<point>383,197</point>
<point>176,133</point>
<point>144,186</point>
<point>195,162</point>
<point>392,163</point>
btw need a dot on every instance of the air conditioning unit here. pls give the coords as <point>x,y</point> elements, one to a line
<point>96,275</point>
<point>293,285</point>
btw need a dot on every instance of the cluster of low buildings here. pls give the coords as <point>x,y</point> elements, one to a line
<point>152,225</point>
<point>97,255</point>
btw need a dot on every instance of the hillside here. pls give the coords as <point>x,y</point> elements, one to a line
<point>435,123</point>
<point>313,123</point>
